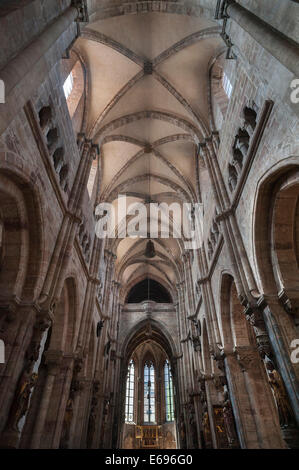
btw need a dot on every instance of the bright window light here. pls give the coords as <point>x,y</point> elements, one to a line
<point>68,85</point>
<point>130,393</point>
<point>227,86</point>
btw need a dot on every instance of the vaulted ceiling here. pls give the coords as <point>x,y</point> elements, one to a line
<point>148,108</point>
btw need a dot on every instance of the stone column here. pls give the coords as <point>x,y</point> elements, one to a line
<point>88,154</point>
<point>242,271</point>
<point>79,430</point>
<point>286,414</point>
<point>208,298</point>
<point>197,417</point>
<point>188,277</point>
<point>207,423</point>
<point>59,262</point>
<point>26,382</point>
<point>72,403</point>
<point>183,338</point>
<point>16,332</point>
<point>276,43</point>
<point>261,401</point>
<point>59,397</point>
<point>92,420</point>
<point>241,404</point>
<point>230,228</point>
<point>30,67</point>
<point>53,359</point>
<point>89,302</point>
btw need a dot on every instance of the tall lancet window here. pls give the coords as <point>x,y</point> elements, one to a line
<point>149,393</point>
<point>130,393</point>
<point>68,85</point>
<point>168,392</point>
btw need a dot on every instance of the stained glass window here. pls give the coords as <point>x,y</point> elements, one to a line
<point>168,392</point>
<point>149,393</point>
<point>130,393</point>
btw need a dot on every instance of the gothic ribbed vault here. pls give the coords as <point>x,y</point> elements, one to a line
<point>148,109</point>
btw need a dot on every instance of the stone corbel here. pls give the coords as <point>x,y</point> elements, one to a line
<point>203,152</point>
<point>217,354</point>
<point>196,343</point>
<point>254,315</point>
<point>43,322</point>
<point>81,6</point>
<point>95,151</point>
<point>246,357</point>
<point>215,139</point>
<point>285,302</point>
<point>80,141</point>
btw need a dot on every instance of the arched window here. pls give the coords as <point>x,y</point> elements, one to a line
<point>73,88</point>
<point>168,392</point>
<point>149,393</point>
<point>68,85</point>
<point>130,393</point>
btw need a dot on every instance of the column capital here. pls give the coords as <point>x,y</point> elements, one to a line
<point>254,314</point>
<point>94,151</point>
<point>43,321</point>
<point>246,356</point>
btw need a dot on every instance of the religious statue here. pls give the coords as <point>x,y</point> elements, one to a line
<point>22,398</point>
<point>285,412</point>
<point>229,421</point>
<point>207,438</point>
